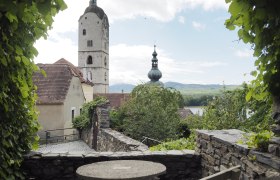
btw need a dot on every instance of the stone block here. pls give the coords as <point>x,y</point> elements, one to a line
<point>224,150</point>
<point>203,144</point>
<point>274,149</point>
<point>217,162</point>
<point>272,174</point>
<point>235,161</point>
<point>242,149</point>
<point>244,176</point>
<point>224,161</point>
<point>174,152</point>
<point>268,159</point>
<point>216,168</point>
<point>222,167</point>
<point>216,144</point>
<point>217,152</point>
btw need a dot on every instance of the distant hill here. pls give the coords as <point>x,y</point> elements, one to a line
<point>119,88</point>
<point>183,88</point>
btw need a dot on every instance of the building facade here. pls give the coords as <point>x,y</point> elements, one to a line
<point>93,47</point>
<point>60,98</point>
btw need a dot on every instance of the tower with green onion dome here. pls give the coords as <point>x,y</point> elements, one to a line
<point>155,74</point>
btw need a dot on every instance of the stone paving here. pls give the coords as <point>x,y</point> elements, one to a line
<point>69,147</point>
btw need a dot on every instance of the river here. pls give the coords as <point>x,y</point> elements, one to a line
<point>196,109</point>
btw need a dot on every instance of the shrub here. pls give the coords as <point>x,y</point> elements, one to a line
<point>152,111</point>
<point>180,144</point>
<point>83,121</point>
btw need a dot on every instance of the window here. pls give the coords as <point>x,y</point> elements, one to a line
<point>105,76</point>
<point>105,62</point>
<point>84,32</point>
<point>89,43</point>
<point>73,114</point>
<point>80,111</point>
<point>89,60</point>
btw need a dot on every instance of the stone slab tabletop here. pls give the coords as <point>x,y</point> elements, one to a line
<point>121,169</point>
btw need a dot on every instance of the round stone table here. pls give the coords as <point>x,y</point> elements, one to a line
<point>121,169</point>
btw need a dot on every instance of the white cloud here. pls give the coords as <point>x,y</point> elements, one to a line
<point>245,53</point>
<point>181,19</point>
<point>52,50</point>
<point>198,26</point>
<point>162,10</point>
<point>131,64</point>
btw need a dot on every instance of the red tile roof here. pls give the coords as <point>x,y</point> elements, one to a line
<point>53,88</point>
<point>115,99</point>
<point>75,70</point>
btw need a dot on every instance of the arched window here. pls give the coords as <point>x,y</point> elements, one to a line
<point>84,32</point>
<point>89,60</point>
<point>105,62</point>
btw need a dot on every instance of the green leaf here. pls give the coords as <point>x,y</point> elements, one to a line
<point>25,60</point>
<point>234,8</point>
<point>19,50</point>
<point>249,95</point>
<point>254,73</point>
<point>44,73</point>
<point>229,25</point>
<point>18,59</point>
<point>4,61</point>
<point>228,1</point>
<point>11,17</point>
<point>61,4</point>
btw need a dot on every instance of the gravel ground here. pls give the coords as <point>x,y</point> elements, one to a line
<point>70,147</point>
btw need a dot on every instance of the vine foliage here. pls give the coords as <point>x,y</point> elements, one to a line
<point>258,22</point>
<point>22,22</point>
<point>83,121</point>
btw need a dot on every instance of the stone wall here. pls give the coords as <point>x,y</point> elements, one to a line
<point>219,150</point>
<point>101,115</point>
<point>110,140</point>
<point>180,164</point>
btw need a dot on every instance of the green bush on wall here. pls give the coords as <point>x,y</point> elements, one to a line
<point>83,121</point>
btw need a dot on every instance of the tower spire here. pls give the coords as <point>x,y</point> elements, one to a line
<point>93,3</point>
<point>154,74</point>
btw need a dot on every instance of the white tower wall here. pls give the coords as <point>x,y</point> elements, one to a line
<point>93,49</point>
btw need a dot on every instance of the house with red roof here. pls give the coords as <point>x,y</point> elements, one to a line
<point>60,97</point>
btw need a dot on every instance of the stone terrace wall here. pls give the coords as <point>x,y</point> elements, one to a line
<point>110,140</point>
<point>219,150</point>
<point>180,164</point>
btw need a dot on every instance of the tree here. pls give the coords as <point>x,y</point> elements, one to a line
<point>22,22</point>
<point>230,110</point>
<point>258,22</point>
<point>152,111</point>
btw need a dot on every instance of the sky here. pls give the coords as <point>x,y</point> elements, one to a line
<point>192,43</point>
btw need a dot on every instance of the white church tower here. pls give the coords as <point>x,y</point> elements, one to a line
<point>93,50</point>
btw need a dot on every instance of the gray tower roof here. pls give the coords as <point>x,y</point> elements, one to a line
<point>93,8</point>
<point>155,74</point>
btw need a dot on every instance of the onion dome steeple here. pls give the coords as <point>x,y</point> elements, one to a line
<point>155,74</point>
